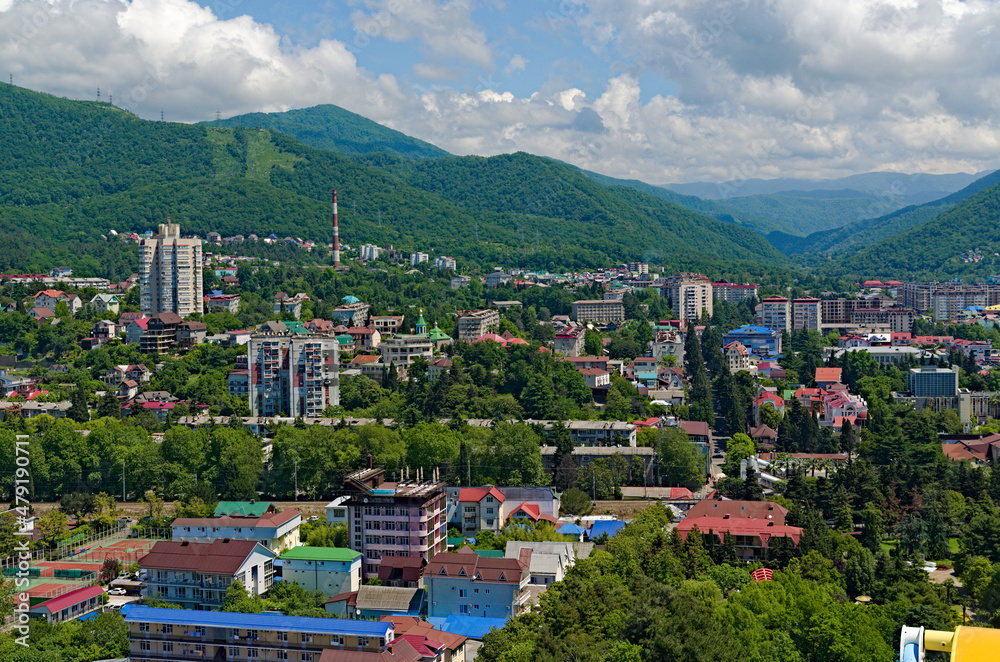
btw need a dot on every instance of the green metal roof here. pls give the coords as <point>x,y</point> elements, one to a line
<point>490,553</point>
<point>345,339</point>
<point>244,508</point>
<point>304,553</point>
<point>438,334</point>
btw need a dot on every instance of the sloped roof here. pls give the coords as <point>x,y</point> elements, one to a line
<point>764,510</point>
<point>223,556</point>
<point>69,599</point>
<point>401,568</point>
<point>265,520</point>
<point>477,494</point>
<point>389,598</point>
<point>764,529</point>
<point>469,564</point>
<point>831,375</point>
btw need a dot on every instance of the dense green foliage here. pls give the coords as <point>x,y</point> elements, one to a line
<point>333,128</point>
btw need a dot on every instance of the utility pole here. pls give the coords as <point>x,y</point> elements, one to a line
<point>468,469</point>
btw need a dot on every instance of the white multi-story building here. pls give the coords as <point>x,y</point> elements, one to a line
<point>276,531</point>
<point>294,376</point>
<point>417,258</point>
<point>170,278</point>
<point>369,252</point>
<point>402,349</point>
<point>723,290</point>
<point>691,295</point>
<point>476,323</point>
<point>807,313</point>
<point>598,311</point>
<point>776,313</point>
<point>445,263</point>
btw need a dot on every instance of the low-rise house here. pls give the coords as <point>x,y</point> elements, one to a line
<point>596,378</point>
<point>69,606</point>
<point>276,531</point>
<point>105,303</point>
<point>402,350</point>
<point>353,313</point>
<point>190,334</point>
<point>161,333</point>
<point>437,367</point>
<point>185,634</point>
<point>550,561</point>
<point>218,302</point>
<point>50,298</point>
<point>431,643</point>
<point>365,338</point>
<point>128,389</point>
<point>737,357</point>
<point>468,584</point>
<point>331,570</point>
<point>54,409</point>
<point>373,602</point>
<point>762,510</point>
<point>481,508</point>
<point>387,325</point>
<point>135,329</point>
<point>104,330</point>
<point>41,314</point>
<point>196,575</point>
<point>370,366</point>
<point>586,454</point>
<point>289,304</point>
<point>458,282</point>
<point>754,538</point>
<point>405,571</point>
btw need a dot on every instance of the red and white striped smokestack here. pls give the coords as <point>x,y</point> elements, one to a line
<point>336,233</point>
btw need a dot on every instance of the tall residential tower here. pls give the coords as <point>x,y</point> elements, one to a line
<point>170,273</point>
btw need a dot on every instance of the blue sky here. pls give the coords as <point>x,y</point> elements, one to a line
<point>685,90</point>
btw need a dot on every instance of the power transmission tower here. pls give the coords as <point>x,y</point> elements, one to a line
<point>98,94</point>
<point>161,114</point>
<point>218,114</point>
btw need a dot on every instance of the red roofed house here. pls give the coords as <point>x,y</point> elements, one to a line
<point>481,508</point>
<point>403,571</point>
<point>41,314</point>
<point>276,531</point>
<point>596,378</point>
<point>465,583</point>
<point>767,397</point>
<point>827,377</point>
<point>70,605</point>
<point>754,538</point>
<point>449,647</point>
<point>196,575</point>
<point>529,511</point>
<point>365,338</point>
<point>49,299</point>
<point>764,510</point>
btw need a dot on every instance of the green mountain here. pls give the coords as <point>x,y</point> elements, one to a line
<point>333,128</point>
<point>857,235</point>
<point>77,170</point>
<point>965,239</point>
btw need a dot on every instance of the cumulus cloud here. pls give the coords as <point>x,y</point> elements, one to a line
<point>751,88</point>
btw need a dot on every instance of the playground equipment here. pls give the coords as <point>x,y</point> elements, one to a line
<point>966,644</point>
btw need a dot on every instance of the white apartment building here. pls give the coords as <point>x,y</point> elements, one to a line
<point>598,311</point>
<point>170,278</point>
<point>445,263</point>
<point>807,313</point>
<point>369,252</point>
<point>474,324</point>
<point>776,313</point>
<point>691,295</point>
<point>417,258</point>
<point>402,350</point>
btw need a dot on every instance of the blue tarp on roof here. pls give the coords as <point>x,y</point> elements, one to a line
<point>351,299</point>
<point>570,529</point>
<point>473,627</point>
<point>263,621</point>
<point>750,328</point>
<point>601,527</point>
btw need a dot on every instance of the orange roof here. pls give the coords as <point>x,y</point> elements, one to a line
<point>829,374</point>
<point>477,494</point>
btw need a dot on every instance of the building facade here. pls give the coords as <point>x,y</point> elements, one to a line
<point>932,382</point>
<point>732,293</point>
<point>408,518</point>
<point>691,295</point>
<point>170,273</point>
<point>276,531</point>
<point>807,313</point>
<point>478,323</point>
<point>465,583</point>
<point>598,311</point>
<point>295,376</point>
<point>775,313</point>
<point>570,341</point>
<point>331,570</point>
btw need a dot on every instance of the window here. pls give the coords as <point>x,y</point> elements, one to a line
<point>307,638</point>
<point>475,590</point>
<point>405,512</point>
<point>476,607</point>
<point>251,634</point>
<point>144,646</point>
<point>252,653</point>
<point>282,636</point>
<point>168,629</point>
<point>143,627</point>
<point>168,647</point>
<point>337,639</point>
<point>199,631</point>
<point>199,648</point>
<point>463,609</point>
<point>282,655</point>
<point>464,592</point>
<point>489,511</point>
<point>233,651</point>
<point>307,657</point>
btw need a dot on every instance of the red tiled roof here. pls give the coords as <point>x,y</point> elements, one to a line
<point>764,529</point>
<point>477,494</point>
<point>473,566</point>
<point>532,511</point>
<point>69,599</point>
<point>366,358</point>
<point>760,510</point>
<point>829,374</point>
<point>268,519</point>
<point>218,557</point>
<point>350,597</point>
<point>403,568</point>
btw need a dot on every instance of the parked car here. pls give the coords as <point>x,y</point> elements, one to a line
<point>117,591</point>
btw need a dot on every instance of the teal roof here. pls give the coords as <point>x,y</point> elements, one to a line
<point>490,553</point>
<point>244,508</point>
<point>222,619</point>
<point>305,553</point>
<point>345,339</point>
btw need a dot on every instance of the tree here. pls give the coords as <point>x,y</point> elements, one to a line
<point>109,406</point>
<point>859,574</point>
<point>239,600</point>
<point>575,502</point>
<point>770,416</point>
<point>680,461</point>
<point>752,491</point>
<point>53,524</point>
<point>79,410</point>
<point>335,535</point>
<point>592,343</point>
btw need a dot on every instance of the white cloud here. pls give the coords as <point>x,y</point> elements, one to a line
<point>752,88</point>
<point>517,63</point>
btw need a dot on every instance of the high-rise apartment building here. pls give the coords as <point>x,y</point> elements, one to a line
<point>807,313</point>
<point>691,295</point>
<point>170,273</point>
<point>733,293</point>
<point>775,313</point>
<point>293,375</point>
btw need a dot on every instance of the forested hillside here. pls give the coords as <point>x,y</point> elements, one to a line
<point>115,171</point>
<point>338,130</point>
<point>863,233</point>
<point>937,247</point>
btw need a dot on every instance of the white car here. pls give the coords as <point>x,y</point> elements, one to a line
<point>117,591</point>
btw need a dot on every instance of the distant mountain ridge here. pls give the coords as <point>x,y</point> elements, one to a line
<point>257,180</point>
<point>333,128</point>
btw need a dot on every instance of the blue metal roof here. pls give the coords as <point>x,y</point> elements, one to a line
<point>222,619</point>
<point>750,329</point>
<point>570,529</point>
<point>601,527</point>
<point>473,627</point>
